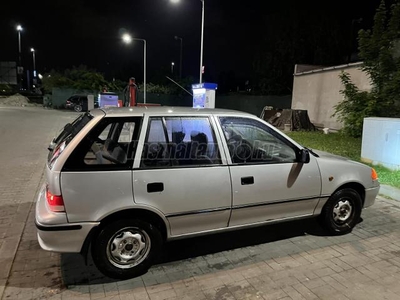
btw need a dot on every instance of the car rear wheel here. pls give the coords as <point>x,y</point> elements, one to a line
<point>126,248</point>
<point>78,108</point>
<point>342,211</point>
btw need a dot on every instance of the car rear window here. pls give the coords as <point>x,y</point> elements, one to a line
<point>69,131</point>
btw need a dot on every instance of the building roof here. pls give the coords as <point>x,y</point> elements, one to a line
<point>319,69</point>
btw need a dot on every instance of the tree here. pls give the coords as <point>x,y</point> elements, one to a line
<point>379,50</point>
<point>79,78</point>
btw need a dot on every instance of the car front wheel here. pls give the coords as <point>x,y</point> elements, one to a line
<point>342,211</point>
<point>126,248</point>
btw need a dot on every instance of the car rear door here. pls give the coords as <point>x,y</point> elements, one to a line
<point>96,180</point>
<point>179,171</point>
<point>267,181</point>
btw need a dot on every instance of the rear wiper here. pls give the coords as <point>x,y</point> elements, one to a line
<point>311,151</point>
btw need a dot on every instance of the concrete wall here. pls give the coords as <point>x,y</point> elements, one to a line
<point>242,102</point>
<point>252,104</point>
<point>318,91</point>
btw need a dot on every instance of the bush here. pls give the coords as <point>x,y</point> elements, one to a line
<point>356,106</point>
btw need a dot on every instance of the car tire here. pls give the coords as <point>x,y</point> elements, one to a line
<point>342,211</point>
<point>126,248</point>
<point>78,108</point>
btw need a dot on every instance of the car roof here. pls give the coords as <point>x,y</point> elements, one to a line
<point>168,110</point>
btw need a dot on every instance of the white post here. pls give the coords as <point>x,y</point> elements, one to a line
<point>144,67</point>
<point>202,41</point>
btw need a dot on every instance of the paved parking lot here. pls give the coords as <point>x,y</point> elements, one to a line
<point>295,260</point>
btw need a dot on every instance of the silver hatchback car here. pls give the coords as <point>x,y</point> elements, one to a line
<point>124,180</point>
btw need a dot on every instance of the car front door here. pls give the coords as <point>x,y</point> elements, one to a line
<point>268,182</point>
<point>181,174</point>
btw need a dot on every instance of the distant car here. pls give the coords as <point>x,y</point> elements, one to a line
<point>79,103</point>
<point>121,181</point>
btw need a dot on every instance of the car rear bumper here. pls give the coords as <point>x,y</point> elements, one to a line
<point>55,233</point>
<point>370,196</point>
<point>67,238</point>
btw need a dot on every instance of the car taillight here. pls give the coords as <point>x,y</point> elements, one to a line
<point>374,175</point>
<point>55,202</point>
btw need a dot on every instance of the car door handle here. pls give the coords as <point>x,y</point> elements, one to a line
<point>247,180</point>
<point>155,187</point>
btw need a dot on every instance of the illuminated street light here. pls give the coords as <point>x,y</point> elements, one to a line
<point>34,66</point>
<point>19,69</point>
<point>127,39</point>
<point>19,29</point>
<point>34,61</point>
<point>172,67</point>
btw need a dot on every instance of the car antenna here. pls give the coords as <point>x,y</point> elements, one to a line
<point>180,86</point>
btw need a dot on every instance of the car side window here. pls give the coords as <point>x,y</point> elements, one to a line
<point>180,141</point>
<point>250,141</point>
<point>110,145</point>
<point>155,150</point>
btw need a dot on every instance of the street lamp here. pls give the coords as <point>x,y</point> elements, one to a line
<point>202,41</point>
<point>127,39</point>
<point>34,62</point>
<point>34,68</point>
<point>172,68</point>
<point>19,29</point>
<point>180,56</point>
<point>202,37</point>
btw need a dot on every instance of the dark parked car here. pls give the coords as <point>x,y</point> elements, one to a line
<point>79,103</point>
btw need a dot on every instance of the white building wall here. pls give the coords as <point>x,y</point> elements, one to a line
<point>318,91</point>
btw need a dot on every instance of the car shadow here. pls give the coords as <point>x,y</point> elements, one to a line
<point>75,271</point>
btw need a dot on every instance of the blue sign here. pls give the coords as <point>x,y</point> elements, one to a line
<point>208,86</point>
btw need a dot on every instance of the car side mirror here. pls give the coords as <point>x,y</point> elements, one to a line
<point>304,156</point>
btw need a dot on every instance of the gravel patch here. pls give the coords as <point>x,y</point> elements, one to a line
<point>16,100</point>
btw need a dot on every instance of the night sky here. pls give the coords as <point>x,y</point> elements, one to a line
<point>74,32</point>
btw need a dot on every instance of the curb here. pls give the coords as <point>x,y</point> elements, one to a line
<point>390,191</point>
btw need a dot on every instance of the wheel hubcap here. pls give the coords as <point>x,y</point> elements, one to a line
<point>128,247</point>
<point>342,211</point>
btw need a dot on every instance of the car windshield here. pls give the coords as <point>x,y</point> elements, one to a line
<point>69,131</point>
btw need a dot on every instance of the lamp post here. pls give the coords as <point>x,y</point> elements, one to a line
<point>202,38</point>
<point>19,29</point>
<point>202,41</point>
<point>127,40</point>
<point>34,60</point>
<point>180,56</point>
<point>19,71</point>
<point>34,67</point>
<point>172,68</point>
